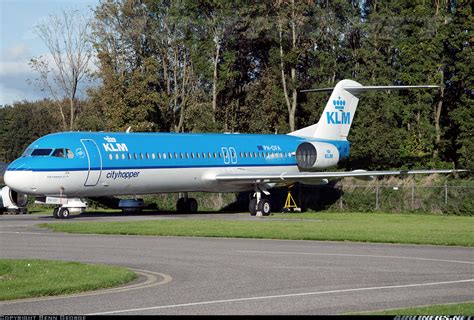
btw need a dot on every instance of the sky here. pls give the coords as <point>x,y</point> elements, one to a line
<point>18,43</point>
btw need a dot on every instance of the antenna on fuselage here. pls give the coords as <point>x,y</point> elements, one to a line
<point>128,129</point>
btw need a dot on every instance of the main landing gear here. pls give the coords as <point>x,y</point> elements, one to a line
<point>258,205</point>
<point>186,205</point>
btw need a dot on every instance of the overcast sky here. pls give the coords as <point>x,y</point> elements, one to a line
<point>18,43</point>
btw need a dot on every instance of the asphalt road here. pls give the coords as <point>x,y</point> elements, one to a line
<point>237,276</point>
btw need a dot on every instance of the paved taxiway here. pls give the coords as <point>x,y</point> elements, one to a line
<point>240,276</point>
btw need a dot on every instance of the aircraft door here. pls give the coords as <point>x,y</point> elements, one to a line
<point>233,155</point>
<point>94,159</point>
<point>225,152</point>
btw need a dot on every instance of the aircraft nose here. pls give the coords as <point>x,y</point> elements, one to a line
<point>19,177</point>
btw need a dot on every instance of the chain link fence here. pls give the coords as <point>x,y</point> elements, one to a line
<point>452,199</point>
<point>390,195</point>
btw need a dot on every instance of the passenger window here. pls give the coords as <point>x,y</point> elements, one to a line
<point>116,156</point>
<point>153,155</point>
<point>110,156</point>
<point>147,155</point>
<point>204,155</point>
<point>58,153</point>
<point>123,156</point>
<point>198,155</point>
<point>135,156</point>
<point>164,155</point>
<point>129,156</point>
<point>192,155</point>
<point>181,155</point>
<point>169,155</point>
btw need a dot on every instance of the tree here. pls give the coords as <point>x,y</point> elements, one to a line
<point>22,123</point>
<point>460,86</point>
<point>67,39</point>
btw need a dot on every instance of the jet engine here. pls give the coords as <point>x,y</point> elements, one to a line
<point>11,200</point>
<point>312,156</point>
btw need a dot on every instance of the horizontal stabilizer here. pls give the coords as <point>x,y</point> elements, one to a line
<point>355,90</point>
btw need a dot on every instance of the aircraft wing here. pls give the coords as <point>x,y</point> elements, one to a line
<point>307,177</point>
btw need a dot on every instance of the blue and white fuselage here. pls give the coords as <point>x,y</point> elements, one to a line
<point>76,164</point>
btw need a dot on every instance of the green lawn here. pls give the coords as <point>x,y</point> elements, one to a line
<point>37,278</point>
<point>442,309</point>
<point>365,227</point>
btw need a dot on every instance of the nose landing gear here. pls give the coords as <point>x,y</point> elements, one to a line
<point>61,213</point>
<point>68,206</point>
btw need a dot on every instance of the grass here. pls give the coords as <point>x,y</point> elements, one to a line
<point>442,309</point>
<point>38,278</point>
<point>363,227</point>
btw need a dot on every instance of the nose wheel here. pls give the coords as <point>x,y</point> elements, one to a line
<point>61,213</point>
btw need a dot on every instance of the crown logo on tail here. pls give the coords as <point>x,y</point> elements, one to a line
<point>339,103</point>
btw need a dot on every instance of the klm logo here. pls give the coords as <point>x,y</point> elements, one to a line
<point>328,155</point>
<point>339,116</point>
<point>113,146</point>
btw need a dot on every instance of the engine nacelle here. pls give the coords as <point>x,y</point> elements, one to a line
<point>12,200</point>
<point>316,155</point>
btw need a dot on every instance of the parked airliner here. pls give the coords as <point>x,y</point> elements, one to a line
<point>70,165</point>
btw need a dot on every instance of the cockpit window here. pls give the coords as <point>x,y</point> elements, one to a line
<point>58,153</point>
<point>69,154</point>
<point>41,152</point>
<point>27,152</point>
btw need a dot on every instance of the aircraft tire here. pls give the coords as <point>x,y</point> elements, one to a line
<point>181,205</point>
<point>192,205</point>
<point>55,213</point>
<point>63,213</point>
<point>265,207</point>
<point>253,206</point>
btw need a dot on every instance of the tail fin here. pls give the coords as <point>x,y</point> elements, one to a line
<point>339,112</point>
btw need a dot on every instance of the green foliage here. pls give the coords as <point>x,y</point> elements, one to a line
<point>24,122</point>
